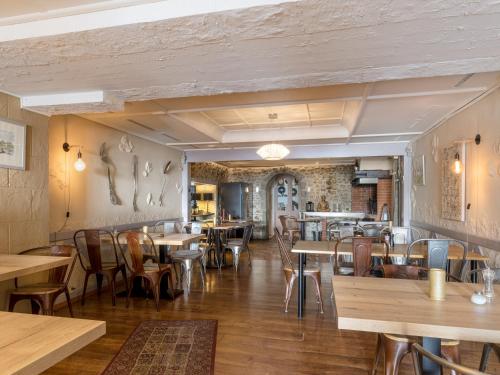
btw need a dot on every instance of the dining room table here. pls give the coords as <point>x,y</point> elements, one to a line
<point>30,344</point>
<point>379,250</point>
<point>12,265</point>
<point>219,229</point>
<point>403,307</point>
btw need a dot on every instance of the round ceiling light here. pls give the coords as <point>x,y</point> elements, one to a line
<point>273,151</point>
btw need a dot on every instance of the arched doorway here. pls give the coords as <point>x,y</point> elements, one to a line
<point>283,193</point>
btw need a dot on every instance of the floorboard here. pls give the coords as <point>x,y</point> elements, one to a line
<point>255,336</point>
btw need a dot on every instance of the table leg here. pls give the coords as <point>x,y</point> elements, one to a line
<point>301,286</point>
<point>302,230</point>
<point>432,345</point>
<point>167,291</point>
<point>473,267</point>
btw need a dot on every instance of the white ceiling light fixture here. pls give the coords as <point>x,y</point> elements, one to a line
<point>273,151</point>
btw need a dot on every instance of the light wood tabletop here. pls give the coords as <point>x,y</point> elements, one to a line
<point>12,266</point>
<point>455,252</point>
<point>170,239</point>
<point>30,344</point>
<point>403,307</point>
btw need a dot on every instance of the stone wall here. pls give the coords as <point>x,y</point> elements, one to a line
<point>209,173</point>
<point>332,181</point>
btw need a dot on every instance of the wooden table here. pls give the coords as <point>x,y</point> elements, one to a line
<point>218,243</point>
<point>30,344</point>
<point>12,266</point>
<point>303,248</point>
<point>302,223</point>
<point>403,307</point>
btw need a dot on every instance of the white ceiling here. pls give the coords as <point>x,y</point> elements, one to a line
<point>201,75</point>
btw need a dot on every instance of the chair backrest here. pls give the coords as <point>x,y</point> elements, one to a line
<point>61,274</point>
<point>286,260</point>
<point>418,353</point>
<point>398,271</point>
<point>164,226</point>
<point>247,235</point>
<point>89,248</point>
<point>372,230</point>
<point>283,221</point>
<point>140,247</point>
<point>401,235</point>
<point>437,252</point>
<point>362,255</point>
<point>196,228</point>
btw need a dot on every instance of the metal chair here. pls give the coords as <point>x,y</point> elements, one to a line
<point>291,234</point>
<point>361,255</point>
<point>418,352</point>
<point>98,260</point>
<point>238,246</point>
<point>485,356</point>
<point>44,294</point>
<point>291,272</point>
<point>142,252</point>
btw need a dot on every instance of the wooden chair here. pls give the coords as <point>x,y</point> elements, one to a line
<point>43,295</point>
<point>361,256</point>
<point>98,261</point>
<point>238,246</point>
<point>395,347</point>
<point>418,352</point>
<point>142,251</point>
<point>291,234</point>
<point>291,272</point>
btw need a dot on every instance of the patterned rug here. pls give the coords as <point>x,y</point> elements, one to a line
<point>177,347</point>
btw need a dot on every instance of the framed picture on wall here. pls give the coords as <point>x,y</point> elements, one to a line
<point>419,170</point>
<point>12,144</point>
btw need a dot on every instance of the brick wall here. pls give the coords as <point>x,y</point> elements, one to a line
<point>384,195</point>
<point>360,196</point>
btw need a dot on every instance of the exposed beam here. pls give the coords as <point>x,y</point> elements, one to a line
<point>201,124</point>
<point>356,119</point>
<point>287,134</point>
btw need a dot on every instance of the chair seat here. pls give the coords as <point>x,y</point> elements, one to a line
<point>39,288</point>
<point>109,266</point>
<point>186,254</point>
<point>307,269</point>
<point>155,267</point>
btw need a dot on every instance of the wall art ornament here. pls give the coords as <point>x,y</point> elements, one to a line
<point>12,145</point>
<point>419,170</point>
<point>435,148</point>
<point>148,168</point>
<point>135,175</point>
<point>179,188</point>
<point>149,199</point>
<point>126,144</point>
<point>452,184</point>
<point>166,169</point>
<point>103,153</point>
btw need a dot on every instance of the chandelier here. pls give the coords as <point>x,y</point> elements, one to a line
<point>273,151</point>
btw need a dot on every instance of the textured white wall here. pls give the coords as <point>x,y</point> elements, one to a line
<point>90,204</point>
<point>482,170</point>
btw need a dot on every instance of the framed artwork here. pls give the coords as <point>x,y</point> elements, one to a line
<point>452,184</point>
<point>12,145</point>
<point>419,170</point>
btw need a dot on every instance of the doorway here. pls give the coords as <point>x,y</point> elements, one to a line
<point>285,196</point>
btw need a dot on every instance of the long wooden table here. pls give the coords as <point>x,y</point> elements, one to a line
<point>403,307</point>
<point>303,248</point>
<point>12,266</point>
<point>30,344</point>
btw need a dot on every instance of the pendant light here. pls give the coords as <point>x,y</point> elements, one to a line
<point>273,151</point>
<point>79,163</point>
<point>457,164</point>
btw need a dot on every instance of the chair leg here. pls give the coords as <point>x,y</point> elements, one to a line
<point>113,288</point>
<point>249,257</point>
<point>124,276</point>
<point>378,354</point>
<point>452,354</point>
<point>484,357</point>
<point>202,273</point>
<point>236,259</point>
<point>129,293</point>
<point>188,264</point>
<point>156,292</point>
<point>35,307</point>
<point>68,300</point>
<point>290,290</point>
<point>87,275</point>
<point>317,283</point>
<point>394,351</point>
<point>99,278</point>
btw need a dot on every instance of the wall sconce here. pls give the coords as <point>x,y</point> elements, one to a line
<point>308,189</point>
<point>457,164</point>
<point>257,189</point>
<point>247,190</point>
<point>79,163</point>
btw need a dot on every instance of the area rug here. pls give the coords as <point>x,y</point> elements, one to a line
<point>174,347</point>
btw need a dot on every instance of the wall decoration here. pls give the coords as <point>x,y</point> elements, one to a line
<point>179,188</point>
<point>126,144</point>
<point>496,146</point>
<point>166,169</point>
<point>452,184</point>
<point>148,168</point>
<point>492,168</point>
<point>149,199</point>
<point>419,170</point>
<point>103,153</point>
<point>435,148</point>
<point>135,175</point>
<point>12,145</point>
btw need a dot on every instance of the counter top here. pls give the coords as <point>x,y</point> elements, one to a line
<point>351,215</point>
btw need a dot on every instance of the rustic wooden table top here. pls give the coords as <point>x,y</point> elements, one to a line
<point>171,239</point>
<point>12,266</point>
<point>403,307</point>
<point>30,344</point>
<point>455,252</point>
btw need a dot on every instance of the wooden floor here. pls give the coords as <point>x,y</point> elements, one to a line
<point>255,336</point>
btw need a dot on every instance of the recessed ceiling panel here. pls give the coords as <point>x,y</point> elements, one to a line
<point>410,114</point>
